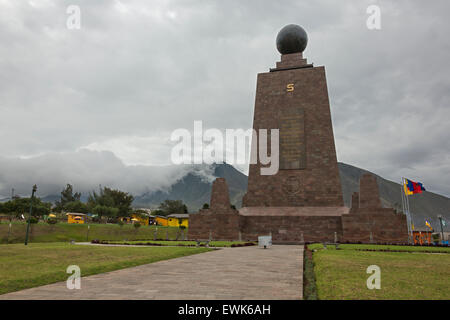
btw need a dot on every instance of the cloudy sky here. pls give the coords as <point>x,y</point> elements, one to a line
<point>97,105</point>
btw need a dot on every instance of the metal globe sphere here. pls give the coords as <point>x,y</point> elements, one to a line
<point>292,39</point>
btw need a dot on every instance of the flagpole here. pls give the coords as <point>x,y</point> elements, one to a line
<point>405,206</point>
<point>411,222</point>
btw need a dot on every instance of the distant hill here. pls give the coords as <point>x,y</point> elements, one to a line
<point>195,191</point>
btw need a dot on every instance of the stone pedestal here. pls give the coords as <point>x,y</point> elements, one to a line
<point>220,221</point>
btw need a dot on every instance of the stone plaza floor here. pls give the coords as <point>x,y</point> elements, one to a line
<point>228,273</point>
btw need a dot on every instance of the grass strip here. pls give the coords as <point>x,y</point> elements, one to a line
<point>309,279</point>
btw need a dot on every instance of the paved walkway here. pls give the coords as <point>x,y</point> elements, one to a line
<point>229,273</point>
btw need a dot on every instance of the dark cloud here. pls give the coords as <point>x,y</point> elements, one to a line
<point>137,70</point>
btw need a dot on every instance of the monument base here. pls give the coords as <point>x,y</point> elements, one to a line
<point>375,226</point>
<point>365,222</point>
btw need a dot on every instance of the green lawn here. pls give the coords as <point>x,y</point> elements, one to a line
<point>43,263</point>
<point>185,243</point>
<point>43,232</point>
<point>382,247</point>
<point>341,274</point>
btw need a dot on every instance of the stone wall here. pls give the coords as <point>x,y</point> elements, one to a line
<point>355,202</point>
<point>220,221</point>
<point>208,224</point>
<point>375,226</point>
<point>369,194</point>
<point>220,197</point>
<point>292,229</point>
<point>368,222</point>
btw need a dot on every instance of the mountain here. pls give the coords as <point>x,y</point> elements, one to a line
<point>195,190</point>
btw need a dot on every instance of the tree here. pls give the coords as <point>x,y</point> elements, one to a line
<point>172,206</point>
<point>205,206</point>
<point>8,209</point>
<point>122,201</point>
<point>140,213</point>
<point>21,206</point>
<point>111,198</point>
<point>99,199</point>
<point>76,206</point>
<point>67,196</point>
<point>105,211</point>
<point>158,212</point>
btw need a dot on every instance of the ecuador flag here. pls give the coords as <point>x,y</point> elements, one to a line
<point>412,187</point>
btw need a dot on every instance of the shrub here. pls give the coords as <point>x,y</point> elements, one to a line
<point>34,220</point>
<point>120,223</point>
<point>136,225</point>
<point>52,221</point>
<point>309,279</point>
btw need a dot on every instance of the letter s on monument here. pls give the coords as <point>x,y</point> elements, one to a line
<point>290,87</point>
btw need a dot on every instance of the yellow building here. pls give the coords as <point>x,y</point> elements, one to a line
<point>76,217</point>
<point>136,218</point>
<point>173,220</point>
<point>140,219</point>
<point>161,221</point>
<point>178,220</point>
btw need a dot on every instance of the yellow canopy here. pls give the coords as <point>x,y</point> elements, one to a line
<point>51,215</point>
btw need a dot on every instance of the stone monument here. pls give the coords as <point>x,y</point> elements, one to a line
<point>293,97</point>
<point>303,201</point>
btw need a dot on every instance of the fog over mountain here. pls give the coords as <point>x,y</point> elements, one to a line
<point>85,170</point>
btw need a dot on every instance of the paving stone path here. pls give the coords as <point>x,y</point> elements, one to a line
<point>229,273</point>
